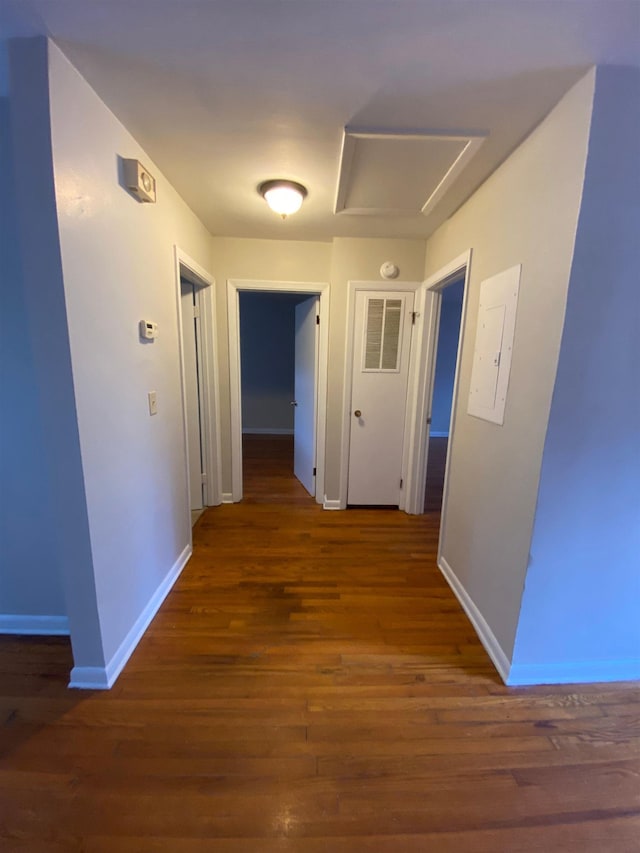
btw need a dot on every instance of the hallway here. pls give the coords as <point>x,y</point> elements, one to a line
<point>310,685</point>
<point>267,464</point>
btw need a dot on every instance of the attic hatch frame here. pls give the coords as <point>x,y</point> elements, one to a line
<point>472,140</point>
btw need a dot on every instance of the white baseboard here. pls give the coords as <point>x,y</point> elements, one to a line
<point>330,504</point>
<point>520,675</point>
<point>45,626</point>
<point>90,678</point>
<point>102,678</point>
<point>484,632</point>
<point>436,434</point>
<point>227,497</point>
<point>580,672</point>
<point>266,431</point>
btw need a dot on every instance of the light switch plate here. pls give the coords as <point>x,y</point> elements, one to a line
<point>153,403</point>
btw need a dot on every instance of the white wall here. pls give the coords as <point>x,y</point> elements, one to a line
<point>525,213</point>
<point>580,616</point>
<point>30,581</point>
<point>118,265</point>
<point>104,261</point>
<point>43,289</point>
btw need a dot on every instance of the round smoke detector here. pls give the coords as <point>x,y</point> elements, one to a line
<point>389,270</point>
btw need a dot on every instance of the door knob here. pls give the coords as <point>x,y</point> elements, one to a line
<point>293,403</point>
<point>358,413</point>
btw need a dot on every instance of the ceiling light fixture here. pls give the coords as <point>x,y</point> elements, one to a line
<point>283,197</point>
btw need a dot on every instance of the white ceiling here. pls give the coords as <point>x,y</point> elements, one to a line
<point>224,95</point>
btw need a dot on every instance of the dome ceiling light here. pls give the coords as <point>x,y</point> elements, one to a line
<point>283,197</point>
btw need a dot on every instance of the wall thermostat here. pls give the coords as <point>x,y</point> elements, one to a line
<point>139,180</point>
<point>389,270</point>
<point>148,330</point>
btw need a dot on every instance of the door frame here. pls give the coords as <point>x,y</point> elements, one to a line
<point>316,361</point>
<point>352,289</point>
<point>209,389</point>
<point>195,300</point>
<point>429,299</point>
<point>304,288</point>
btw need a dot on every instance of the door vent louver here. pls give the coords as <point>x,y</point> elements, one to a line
<point>382,339</point>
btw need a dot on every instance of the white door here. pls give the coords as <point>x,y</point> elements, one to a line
<point>381,347</point>
<point>189,344</point>
<point>304,423</point>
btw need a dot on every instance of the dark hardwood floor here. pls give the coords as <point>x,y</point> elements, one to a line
<point>310,685</point>
<point>267,463</point>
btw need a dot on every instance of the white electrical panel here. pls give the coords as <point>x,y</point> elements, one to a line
<point>494,345</point>
<point>148,330</point>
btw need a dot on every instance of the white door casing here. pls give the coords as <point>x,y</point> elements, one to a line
<point>321,290</point>
<point>305,382</point>
<point>192,394</point>
<point>428,301</point>
<point>380,371</point>
<point>186,268</point>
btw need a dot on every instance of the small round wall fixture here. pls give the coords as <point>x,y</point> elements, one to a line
<point>389,270</point>
<point>283,197</point>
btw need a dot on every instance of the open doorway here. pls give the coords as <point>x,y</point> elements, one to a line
<point>194,394</point>
<point>429,303</point>
<point>196,313</point>
<point>445,353</point>
<point>277,330</point>
<point>279,364</point>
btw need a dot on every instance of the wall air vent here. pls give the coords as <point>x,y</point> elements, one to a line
<point>382,338</point>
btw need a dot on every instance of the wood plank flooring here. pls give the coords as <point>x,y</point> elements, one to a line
<point>310,685</point>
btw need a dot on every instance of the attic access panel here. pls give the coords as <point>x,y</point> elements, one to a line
<point>494,345</point>
<point>385,173</point>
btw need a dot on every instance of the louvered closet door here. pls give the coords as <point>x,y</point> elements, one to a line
<point>381,345</point>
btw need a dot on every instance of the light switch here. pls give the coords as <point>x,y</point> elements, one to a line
<point>153,403</point>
